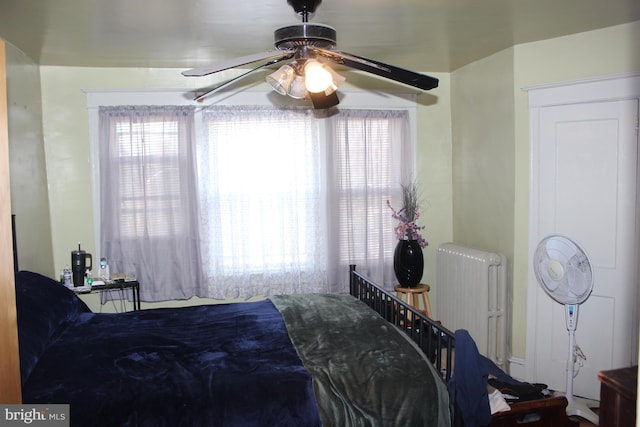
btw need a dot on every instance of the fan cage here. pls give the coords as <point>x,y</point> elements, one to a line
<point>576,265</point>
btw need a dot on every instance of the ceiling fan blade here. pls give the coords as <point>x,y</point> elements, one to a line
<point>411,78</point>
<point>214,89</point>
<point>237,62</point>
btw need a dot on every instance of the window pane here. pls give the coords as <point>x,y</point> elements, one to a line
<point>148,154</point>
<point>368,148</point>
<point>262,183</point>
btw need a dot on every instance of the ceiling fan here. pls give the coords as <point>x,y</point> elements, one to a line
<point>307,76</point>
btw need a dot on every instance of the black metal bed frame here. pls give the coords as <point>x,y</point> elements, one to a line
<point>436,341</point>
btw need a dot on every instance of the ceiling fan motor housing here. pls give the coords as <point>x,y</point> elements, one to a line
<point>316,35</point>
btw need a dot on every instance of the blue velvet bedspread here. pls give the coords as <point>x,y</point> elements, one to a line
<point>221,365</point>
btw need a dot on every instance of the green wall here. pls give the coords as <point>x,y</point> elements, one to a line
<point>433,166</point>
<point>483,153</point>
<point>28,172</point>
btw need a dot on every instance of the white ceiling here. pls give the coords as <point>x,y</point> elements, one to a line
<point>422,35</point>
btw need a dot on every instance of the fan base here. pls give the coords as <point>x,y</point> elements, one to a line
<point>577,407</point>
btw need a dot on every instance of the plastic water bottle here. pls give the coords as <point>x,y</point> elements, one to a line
<point>66,276</point>
<point>104,269</point>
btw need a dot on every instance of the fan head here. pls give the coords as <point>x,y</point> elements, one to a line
<point>563,270</point>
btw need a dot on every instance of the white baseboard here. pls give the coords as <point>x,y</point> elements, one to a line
<point>517,368</point>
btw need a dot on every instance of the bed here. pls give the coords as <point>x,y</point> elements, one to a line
<point>297,360</point>
<point>360,359</point>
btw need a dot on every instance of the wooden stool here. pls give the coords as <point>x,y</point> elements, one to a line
<point>421,289</point>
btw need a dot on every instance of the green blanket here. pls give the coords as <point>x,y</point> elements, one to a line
<point>365,371</point>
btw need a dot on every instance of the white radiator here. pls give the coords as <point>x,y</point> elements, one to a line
<point>471,294</point>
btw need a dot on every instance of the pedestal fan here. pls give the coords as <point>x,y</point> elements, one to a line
<point>564,272</point>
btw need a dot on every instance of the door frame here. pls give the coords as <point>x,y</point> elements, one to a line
<point>10,388</point>
<point>600,89</point>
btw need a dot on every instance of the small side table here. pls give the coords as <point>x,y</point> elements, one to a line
<point>413,297</point>
<point>134,285</point>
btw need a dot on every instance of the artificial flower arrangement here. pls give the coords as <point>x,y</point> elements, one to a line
<point>407,229</point>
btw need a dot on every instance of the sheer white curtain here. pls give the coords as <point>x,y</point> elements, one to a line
<point>147,198</point>
<point>261,187</point>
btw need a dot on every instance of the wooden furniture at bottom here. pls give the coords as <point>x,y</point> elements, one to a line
<point>413,297</point>
<point>549,412</point>
<point>618,396</point>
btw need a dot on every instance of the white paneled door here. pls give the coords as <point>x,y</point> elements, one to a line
<point>585,178</point>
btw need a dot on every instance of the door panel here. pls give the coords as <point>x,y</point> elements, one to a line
<point>587,180</point>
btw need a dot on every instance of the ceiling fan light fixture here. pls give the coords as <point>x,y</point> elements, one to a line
<point>322,101</point>
<point>319,78</point>
<point>336,80</point>
<point>297,90</point>
<point>281,79</point>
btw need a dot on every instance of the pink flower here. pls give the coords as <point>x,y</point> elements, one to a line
<point>407,229</point>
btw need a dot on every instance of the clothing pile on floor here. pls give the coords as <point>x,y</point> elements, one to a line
<point>504,390</point>
<point>479,388</point>
<point>515,391</point>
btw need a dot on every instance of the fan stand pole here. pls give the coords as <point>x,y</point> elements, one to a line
<point>570,366</point>
<point>574,407</point>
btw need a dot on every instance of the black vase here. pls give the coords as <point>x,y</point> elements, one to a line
<point>408,263</point>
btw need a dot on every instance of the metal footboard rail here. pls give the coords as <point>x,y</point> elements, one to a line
<point>436,341</point>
